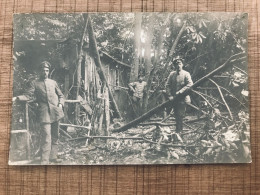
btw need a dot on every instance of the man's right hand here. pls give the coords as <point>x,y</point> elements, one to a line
<point>132,89</point>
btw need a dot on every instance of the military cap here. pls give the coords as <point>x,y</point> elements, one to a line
<point>176,60</point>
<point>45,64</point>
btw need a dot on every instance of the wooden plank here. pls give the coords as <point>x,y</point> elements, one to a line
<point>19,131</point>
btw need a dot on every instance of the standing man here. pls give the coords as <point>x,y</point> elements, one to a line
<point>50,101</point>
<point>177,82</point>
<point>138,89</point>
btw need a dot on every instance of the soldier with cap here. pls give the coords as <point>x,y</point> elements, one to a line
<point>177,82</point>
<point>50,101</point>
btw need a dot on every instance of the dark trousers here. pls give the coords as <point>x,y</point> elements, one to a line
<point>49,141</point>
<point>179,114</point>
<point>138,105</point>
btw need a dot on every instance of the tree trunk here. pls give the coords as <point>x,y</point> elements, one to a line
<point>137,47</point>
<point>150,74</point>
<point>66,94</point>
<point>107,113</point>
<point>175,99</point>
<point>78,73</point>
<point>148,63</point>
<point>148,46</point>
<point>100,71</point>
<point>100,119</point>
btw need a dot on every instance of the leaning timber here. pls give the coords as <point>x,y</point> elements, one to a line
<point>175,99</point>
<point>100,71</point>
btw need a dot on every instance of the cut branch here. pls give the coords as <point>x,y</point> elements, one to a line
<point>240,69</point>
<point>175,99</point>
<point>198,93</point>
<point>233,96</point>
<point>222,97</point>
<point>203,94</point>
<point>156,124</point>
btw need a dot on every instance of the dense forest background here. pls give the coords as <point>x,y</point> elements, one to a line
<point>149,42</point>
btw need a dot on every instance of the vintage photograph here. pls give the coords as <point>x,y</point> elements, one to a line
<point>130,88</point>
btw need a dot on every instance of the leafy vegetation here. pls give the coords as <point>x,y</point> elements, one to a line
<point>204,40</point>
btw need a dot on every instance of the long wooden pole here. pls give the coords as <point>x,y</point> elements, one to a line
<point>175,99</point>
<point>78,70</point>
<point>100,71</point>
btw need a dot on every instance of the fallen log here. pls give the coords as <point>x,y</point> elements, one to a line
<point>104,137</point>
<point>72,101</point>
<point>175,99</point>
<point>156,123</point>
<point>196,120</point>
<point>149,130</point>
<point>71,125</point>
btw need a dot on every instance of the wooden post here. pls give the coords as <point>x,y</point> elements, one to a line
<point>28,147</point>
<point>78,73</point>
<point>100,117</point>
<point>100,71</point>
<point>66,92</point>
<point>107,113</point>
<point>164,112</point>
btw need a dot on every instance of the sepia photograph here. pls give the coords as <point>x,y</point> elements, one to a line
<point>130,88</point>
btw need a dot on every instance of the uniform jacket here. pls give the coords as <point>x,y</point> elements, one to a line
<point>48,95</point>
<point>179,83</point>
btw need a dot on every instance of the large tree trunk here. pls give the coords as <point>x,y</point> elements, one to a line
<point>137,47</point>
<point>175,99</point>
<point>78,70</point>
<point>148,46</point>
<point>100,71</point>
<point>150,74</point>
<point>148,62</point>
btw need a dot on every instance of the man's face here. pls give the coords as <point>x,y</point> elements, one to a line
<point>179,65</point>
<point>140,79</point>
<point>44,73</point>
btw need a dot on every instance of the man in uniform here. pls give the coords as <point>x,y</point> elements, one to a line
<point>50,101</point>
<point>177,82</point>
<point>138,89</point>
